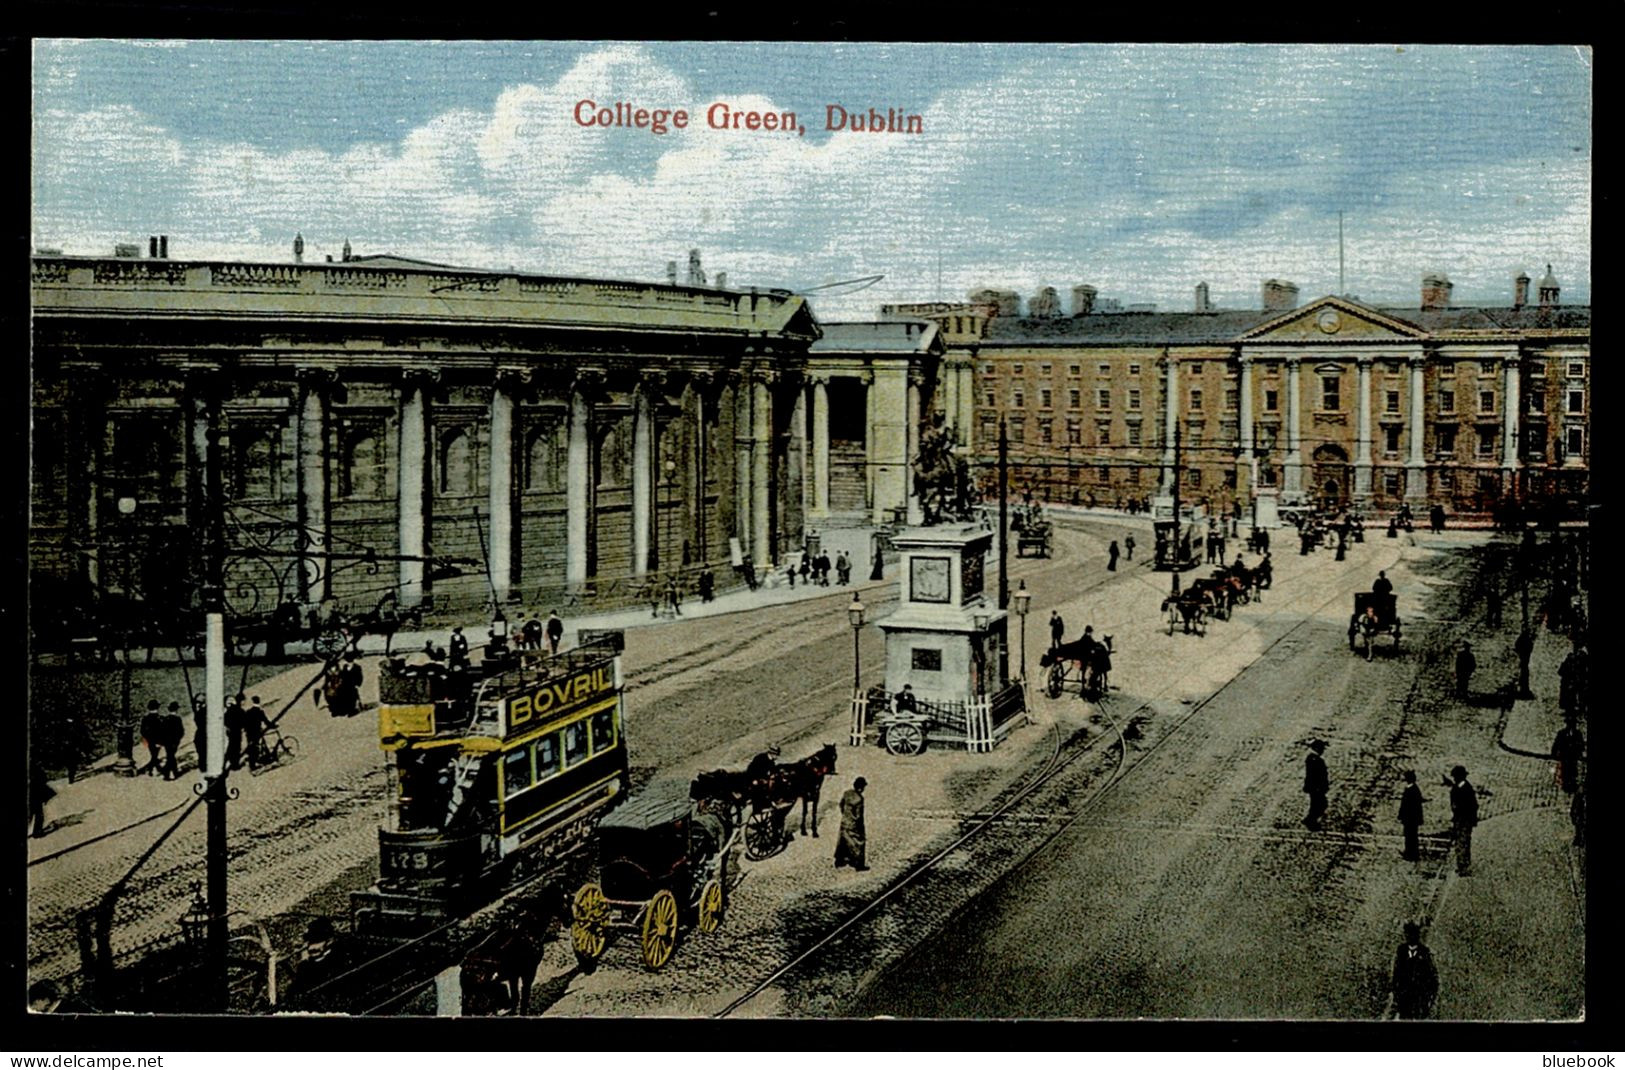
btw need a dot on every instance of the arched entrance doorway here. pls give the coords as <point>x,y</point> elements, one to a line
<point>1331,478</point>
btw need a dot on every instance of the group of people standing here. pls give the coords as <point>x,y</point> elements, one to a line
<point>815,569</point>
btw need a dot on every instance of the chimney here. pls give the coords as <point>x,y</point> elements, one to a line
<point>152,246</point>
<point>671,273</point>
<point>1083,300</point>
<point>722,280</point>
<point>1279,295</point>
<point>1202,303</point>
<point>344,254</point>
<point>1436,292</point>
<point>1520,290</point>
<point>163,246</point>
<point>298,248</point>
<point>1044,304</point>
<point>1548,289</point>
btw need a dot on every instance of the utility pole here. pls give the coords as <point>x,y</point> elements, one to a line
<point>1174,545</point>
<point>1004,516</point>
<point>214,674</point>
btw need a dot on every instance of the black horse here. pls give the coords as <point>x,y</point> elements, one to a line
<point>771,796</point>
<point>1094,660</point>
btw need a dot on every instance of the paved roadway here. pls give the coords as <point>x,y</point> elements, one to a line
<point>1191,889</point>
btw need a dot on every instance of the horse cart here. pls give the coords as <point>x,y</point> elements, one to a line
<point>1374,614</point>
<point>1084,663</point>
<point>1033,532</point>
<point>1189,610</point>
<point>665,863</point>
<point>758,800</point>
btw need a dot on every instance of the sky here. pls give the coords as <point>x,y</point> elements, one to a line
<point>1138,169</point>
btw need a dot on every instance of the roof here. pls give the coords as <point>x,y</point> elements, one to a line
<point>881,336</point>
<point>661,803</point>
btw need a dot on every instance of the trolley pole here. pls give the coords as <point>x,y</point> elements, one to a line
<point>1004,516</point>
<point>1173,549</point>
<point>214,774</point>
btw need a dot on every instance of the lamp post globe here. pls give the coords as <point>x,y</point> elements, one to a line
<point>1022,597</point>
<point>854,615</point>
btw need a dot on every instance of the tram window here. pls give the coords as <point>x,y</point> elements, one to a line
<point>516,770</point>
<point>547,756</point>
<point>575,743</point>
<point>603,730</point>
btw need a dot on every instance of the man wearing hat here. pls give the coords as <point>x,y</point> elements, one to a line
<point>1316,782</point>
<point>761,767</point>
<point>850,846</point>
<point>1416,982</point>
<point>1463,816</point>
<point>151,729</point>
<point>1410,816</point>
<point>1465,664</point>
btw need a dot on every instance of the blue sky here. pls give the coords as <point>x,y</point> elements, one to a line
<point>1141,170</point>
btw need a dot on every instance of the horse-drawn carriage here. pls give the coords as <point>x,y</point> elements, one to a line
<point>1086,663</point>
<point>1374,614</point>
<point>665,861</point>
<point>758,799</point>
<point>1033,532</point>
<point>1189,609</point>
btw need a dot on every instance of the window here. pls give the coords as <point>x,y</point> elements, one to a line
<point>990,429</point>
<point>1044,398</point>
<point>1447,401</point>
<point>1574,442</point>
<point>1486,367</point>
<point>925,659</point>
<point>1131,476</point>
<point>1577,369</point>
<point>1103,399</point>
<point>987,367</point>
<point>1537,401</point>
<point>1577,401</point>
<point>1194,367</point>
<point>1017,369</point>
<point>1390,484</point>
<point>1391,401</point>
<point>1103,433</point>
<point>1193,478</point>
<point>1018,430</point>
<point>1266,438</point>
<point>1044,369</point>
<point>1231,398</point>
<point>256,467</point>
<point>1017,399</point>
<point>1272,400</point>
<point>1486,401</point>
<point>1330,398</point>
<point>1133,434</point>
<point>1074,369</point>
<point>1134,369</point>
<point>1392,366</point>
<point>1193,436</point>
<point>547,755</point>
<point>1046,431</point>
<point>1196,398</point>
<point>546,458</point>
<point>1074,399</point>
<point>1534,444</point>
<point>1444,440</point>
<point>1447,481</point>
<point>1266,475</point>
<point>362,474</point>
<point>456,462</point>
<point>516,774</point>
<point>1103,368</point>
<point>603,730</point>
<point>1486,441</point>
<point>1230,478</point>
<point>575,743</point>
<point>1390,444</point>
<point>1103,474</point>
<point>1134,399</point>
<point>1074,433</point>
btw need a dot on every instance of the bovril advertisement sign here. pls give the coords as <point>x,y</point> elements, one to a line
<point>553,697</point>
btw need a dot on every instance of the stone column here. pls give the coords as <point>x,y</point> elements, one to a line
<point>317,575</point>
<point>642,474</point>
<point>911,450</point>
<point>794,523</point>
<point>578,483</point>
<point>414,437</point>
<point>502,480</point>
<point>1362,430</point>
<point>1244,432</point>
<point>1170,422</point>
<point>197,500</point>
<point>820,438</point>
<point>1416,481</point>
<point>1511,418</point>
<point>761,430</point>
<point>869,451</point>
<point>1292,476</point>
<point>744,394</point>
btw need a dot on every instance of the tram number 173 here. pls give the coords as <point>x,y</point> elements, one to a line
<point>413,860</point>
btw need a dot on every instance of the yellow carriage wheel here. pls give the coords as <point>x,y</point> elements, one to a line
<point>711,907</point>
<point>659,929</point>
<point>589,929</point>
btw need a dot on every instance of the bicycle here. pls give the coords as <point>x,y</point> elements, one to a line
<point>273,747</point>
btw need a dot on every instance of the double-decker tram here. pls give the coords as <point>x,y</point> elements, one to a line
<point>498,774</point>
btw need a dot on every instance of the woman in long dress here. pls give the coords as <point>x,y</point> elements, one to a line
<point>851,844</point>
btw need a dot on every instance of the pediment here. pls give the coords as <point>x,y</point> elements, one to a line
<point>1333,319</point>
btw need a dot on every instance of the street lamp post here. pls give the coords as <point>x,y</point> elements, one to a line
<point>981,620</point>
<point>124,765</point>
<point>854,614</point>
<point>1022,597</point>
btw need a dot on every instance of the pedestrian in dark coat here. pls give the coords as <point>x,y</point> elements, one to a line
<point>150,730</point>
<point>674,597</point>
<point>1410,816</point>
<point>1465,664</point>
<point>1316,783</point>
<point>1525,647</point>
<point>1128,546</point>
<point>1057,629</point>
<point>457,647</point>
<point>171,729</point>
<point>555,625</point>
<point>1571,677</point>
<point>1416,982</point>
<point>1111,555</point>
<point>1568,748</point>
<point>255,725</point>
<point>708,586</point>
<point>1463,817</point>
<point>852,844</point>
<point>1382,584</point>
<point>749,569</point>
<point>235,715</point>
<point>843,568</point>
<point>879,571</point>
<point>1436,518</point>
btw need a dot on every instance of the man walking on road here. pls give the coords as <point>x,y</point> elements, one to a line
<point>1128,545</point>
<point>1465,664</point>
<point>1463,816</point>
<point>1525,646</point>
<point>1416,982</point>
<point>1567,750</point>
<point>1112,555</point>
<point>1410,817</point>
<point>1057,629</point>
<point>555,632</point>
<point>1316,783</point>
<point>852,845</point>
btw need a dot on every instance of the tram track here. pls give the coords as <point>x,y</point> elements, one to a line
<point>1055,766</point>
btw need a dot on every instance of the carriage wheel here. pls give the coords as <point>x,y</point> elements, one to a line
<point>909,739</point>
<point>589,924</point>
<point>1057,680</point>
<point>711,906</point>
<point>659,929</point>
<point>762,838</point>
<point>329,644</point>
